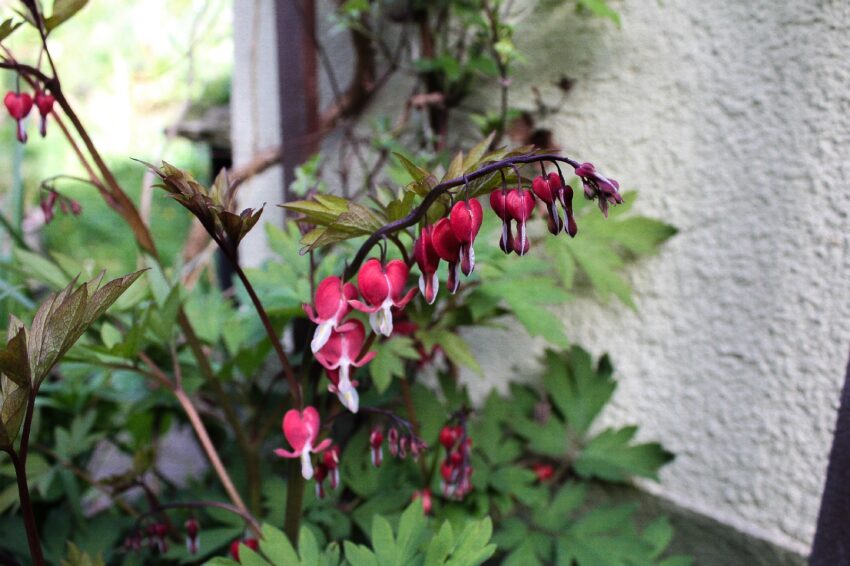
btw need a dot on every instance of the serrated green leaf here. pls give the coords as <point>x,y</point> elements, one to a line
<point>440,546</point>
<point>601,9</point>
<point>454,347</point>
<point>63,10</point>
<point>7,27</point>
<point>307,547</point>
<point>659,534</point>
<point>411,529</point>
<point>576,388</point>
<point>389,361</point>
<point>383,541</point>
<point>557,514</point>
<point>359,555</point>
<point>610,456</point>
<point>277,547</point>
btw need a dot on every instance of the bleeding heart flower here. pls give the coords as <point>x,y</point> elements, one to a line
<point>548,194</point>
<point>301,428</point>
<point>192,543</point>
<point>520,206</point>
<point>331,301</point>
<point>465,219</point>
<point>599,187</point>
<point>499,204</point>
<point>44,102</point>
<point>448,248</point>
<point>376,440</point>
<point>428,261</point>
<point>19,105</point>
<point>338,355</point>
<point>382,289</point>
<point>321,474</point>
<point>331,461</point>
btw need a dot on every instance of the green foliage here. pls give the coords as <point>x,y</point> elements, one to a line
<point>410,544</point>
<point>63,10</point>
<point>31,353</point>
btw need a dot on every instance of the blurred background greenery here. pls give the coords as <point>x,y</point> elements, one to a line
<point>130,96</point>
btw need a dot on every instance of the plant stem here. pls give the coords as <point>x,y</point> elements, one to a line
<point>294,386</point>
<point>294,501</point>
<point>419,212</point>
<point>26,507</point>
<point>200,430</point>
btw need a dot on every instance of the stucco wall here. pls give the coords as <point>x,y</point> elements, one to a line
<point>733,120</point>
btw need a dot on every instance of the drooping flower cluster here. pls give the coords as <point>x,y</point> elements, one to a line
<point>19,105</point>
<point>337,343</point>
<point>606,191</point>
<point>66,205</point>
<point>450,239</point>
<point>400,444</point>
<point>456,469</point>
<point>301,430</point>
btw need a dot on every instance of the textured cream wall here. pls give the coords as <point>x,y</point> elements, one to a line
<point>733,120</point>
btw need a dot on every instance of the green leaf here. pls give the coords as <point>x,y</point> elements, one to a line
<point>359,555</point>
<point>277,547</point>
<point>307,547</point>
<point>77,557</point>
<point>7,27</point>
<point>63,10</point>
<point>642,235</point>
<point>557,514</point>
<point>610,456</point>
<point>383,541</point>
<point>454,347</point>
<point>659,534</point>
<point>576,388</point>
<point>601,9</point>
<point>440,546</point>
<point>411,529</point>
<point>523,555</point>
<point>389,361</point>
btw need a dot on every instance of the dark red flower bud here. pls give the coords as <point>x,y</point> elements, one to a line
<point>499,204</point>
<point>376,439</point>
<point>331,460</point>
<point>520,207</point>
<point>543,471</point>
<point>448,437</point>
<point>448,248</point>
<point>392,441</point>
<point>447,471</point>
<point>428,261</point>
<point>548,194</point>
<point>465,219</point>
<point>19,105</point>
<point>455,458</point>
<point>44,102</point>
<point>192,542</point>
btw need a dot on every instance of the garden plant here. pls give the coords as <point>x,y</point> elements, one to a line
<point>323,390</point>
